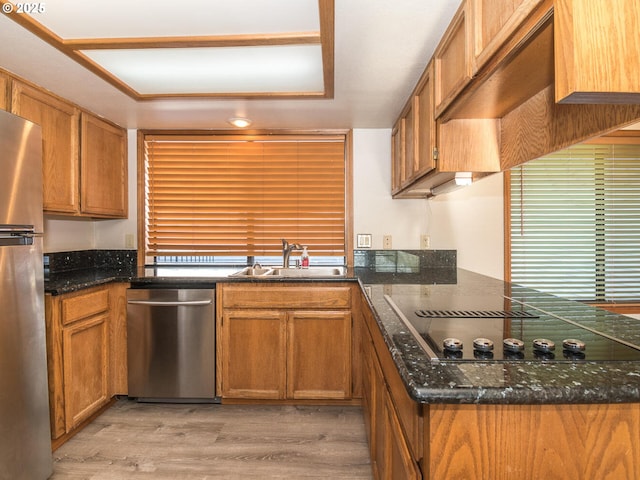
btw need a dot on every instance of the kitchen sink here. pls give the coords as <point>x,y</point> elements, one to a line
<point>306,272</point>
<point>289,272</point>
<point>252,272</point>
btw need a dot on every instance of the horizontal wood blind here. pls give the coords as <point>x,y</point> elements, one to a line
<point>575,223</point>
<point>218,196</point>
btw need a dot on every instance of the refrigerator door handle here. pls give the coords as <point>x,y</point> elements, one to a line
<point>12,238</point>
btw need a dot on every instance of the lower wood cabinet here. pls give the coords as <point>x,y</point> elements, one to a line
<point>399,462</point>
<point>319,354</point>
<point>411,441</point>
<point>254,358</point>
<point>285,341</point>
<point>86,353</point>
<point>392,457</point>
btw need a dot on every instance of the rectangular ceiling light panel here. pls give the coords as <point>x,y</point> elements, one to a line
<point>73,19</point>
<point>279,69</point>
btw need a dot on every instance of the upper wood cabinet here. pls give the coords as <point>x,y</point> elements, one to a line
<point>426,138</point>
<point>414,139</point>
<point>84,165</point>
<point>494,21</point>
<point>103,179</point>
<point>5,83</point>
<point>397,155</point>
<point>60,137</point>
<point>597,51</point>
<point>452,60</point>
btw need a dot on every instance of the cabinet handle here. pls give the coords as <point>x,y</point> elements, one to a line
<point>170,304</point>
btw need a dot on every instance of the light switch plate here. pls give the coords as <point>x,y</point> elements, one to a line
<point>386,242</point>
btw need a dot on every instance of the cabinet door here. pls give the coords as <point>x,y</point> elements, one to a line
<point>319,355</point>
<point>368,392</point>
<point>85,358</point>
<point>397,155</point>
<point>253,354</point>
<point>103,184</point>
<point>60,164</point>
<point>410,137</point>
<point>425,125</point>
<point>380,447</point>
<point>118,377</point>
<point>493,23</point>
<point>4,91</point>
<point>400,463</point>
<point>452,62</point>
<point>596,51</point>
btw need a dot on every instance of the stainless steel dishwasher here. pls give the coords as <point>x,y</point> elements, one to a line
<point>171,344</point>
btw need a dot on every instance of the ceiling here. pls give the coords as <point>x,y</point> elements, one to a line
<point>381,49</point>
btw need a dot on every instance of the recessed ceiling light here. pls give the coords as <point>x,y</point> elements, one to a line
<point>239,122</point>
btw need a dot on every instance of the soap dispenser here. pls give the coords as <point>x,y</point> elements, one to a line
<point>305,257</point>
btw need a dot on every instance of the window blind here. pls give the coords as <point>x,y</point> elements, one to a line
<point>575,223</point>
<point>228,196</point>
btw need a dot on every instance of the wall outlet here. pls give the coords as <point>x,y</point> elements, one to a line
<point>386,242</point>
<point>425,242</point>
<point>128,241</point>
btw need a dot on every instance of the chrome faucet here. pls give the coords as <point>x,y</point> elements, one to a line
<point>287,248</point>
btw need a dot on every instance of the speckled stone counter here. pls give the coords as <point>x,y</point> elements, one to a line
<point>67,272</point>
<point>515,382</point>
<point>382,273</point>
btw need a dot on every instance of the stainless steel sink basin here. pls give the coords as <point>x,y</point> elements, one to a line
<point>252,272</point>
<point>289,272</point>
<point>307,272</point>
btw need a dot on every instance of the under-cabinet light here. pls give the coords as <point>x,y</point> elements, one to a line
<point>239,122</point>
<point>461,179</point>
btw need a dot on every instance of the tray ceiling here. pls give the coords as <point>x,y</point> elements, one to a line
<point>380,50</point>
<point>197,48</point>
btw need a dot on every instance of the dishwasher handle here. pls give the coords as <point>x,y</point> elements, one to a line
<point>160,303</point>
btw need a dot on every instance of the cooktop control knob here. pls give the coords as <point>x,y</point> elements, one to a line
<point>544,345</point>
<point>452,344</point>
<point>513,345</point>
<point>483,344</point>
<point>573,345</point>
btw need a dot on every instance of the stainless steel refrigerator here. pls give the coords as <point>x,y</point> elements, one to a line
<point>25,438</point>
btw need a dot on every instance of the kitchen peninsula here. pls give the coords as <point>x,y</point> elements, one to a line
<point>481,418</point>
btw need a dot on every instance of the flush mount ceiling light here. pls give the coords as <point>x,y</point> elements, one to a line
<point>248,49</point>
<point>239,122</point>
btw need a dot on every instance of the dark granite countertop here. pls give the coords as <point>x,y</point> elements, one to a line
<point>507,382</point>
<point>490,382</point>
<point>169,277</point>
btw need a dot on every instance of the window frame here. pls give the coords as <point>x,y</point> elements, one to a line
<point>348,143</point>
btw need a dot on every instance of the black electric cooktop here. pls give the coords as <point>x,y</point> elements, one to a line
<point>501,329</point>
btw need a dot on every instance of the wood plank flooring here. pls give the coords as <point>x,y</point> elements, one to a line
<point>175,441</point>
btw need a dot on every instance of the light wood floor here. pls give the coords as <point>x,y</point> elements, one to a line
<point>171,441</point>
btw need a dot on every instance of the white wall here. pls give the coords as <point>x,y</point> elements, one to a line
<point>375,212</point>
<point>63,235</point>
<point>469,220</point>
